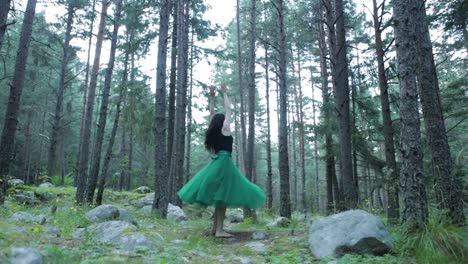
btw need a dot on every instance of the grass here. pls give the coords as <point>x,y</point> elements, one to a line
<point>437,243</point>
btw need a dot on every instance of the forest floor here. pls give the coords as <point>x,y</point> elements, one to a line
<point>189,242</point>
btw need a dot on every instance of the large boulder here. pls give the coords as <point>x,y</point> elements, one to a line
<point>143,189</point>
<point>235,216</point>
<point>28,218</point>
<point>354,231</point>
<point>107,212</point>
<point>175,213</point>
<point>26,197</point>
<point>14,182</point>
<point>147,200</point>
<point>121,234</point>
<point>21,255</point>
<point>279,222</point>
<point>46,185</point>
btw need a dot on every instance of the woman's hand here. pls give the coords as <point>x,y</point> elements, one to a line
<point>212,92</point>
<point>223,88</point>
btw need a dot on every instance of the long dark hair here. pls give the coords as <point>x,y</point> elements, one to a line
<point>213,131</point>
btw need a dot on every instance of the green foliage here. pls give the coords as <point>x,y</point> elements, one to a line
<point>67,182</point>
<point>437,242</point>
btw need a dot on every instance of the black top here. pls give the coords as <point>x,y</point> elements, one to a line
<point>223,143</point>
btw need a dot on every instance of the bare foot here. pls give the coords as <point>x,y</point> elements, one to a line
<point>223,234</point>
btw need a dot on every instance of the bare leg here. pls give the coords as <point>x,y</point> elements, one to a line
<point>215,219</point>
<point>220,214</point>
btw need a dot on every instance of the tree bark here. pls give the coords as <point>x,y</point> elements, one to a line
<point>82,176</point>
<point>285,202</point>
<point>4,9</point>
<point>177,160</point>
<point>316,157</point>
<point>172,86</point>
<point>340,77</point>
<point>241,91</point>
<point>412,178</point>
<point>393,212</point>
<point>10,124</point>
<point>85,91</point>
<point>56,124</point>
<point>300,117</point>
<point>448,186</point>
<point>269,181</point>
<point>326,112</point>
<point>118,110</point>
<point>189,114</point>
<point>93,179</point>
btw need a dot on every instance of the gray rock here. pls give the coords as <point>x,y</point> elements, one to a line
<point>244,259</point>
<point>78,233</point>
<point>53,231</point>
<point>22,255</point>
<point>256,246</point>
<point>175,213</point>
<point>14,182</point>
<point>22,217</point>
<point>143,189</point>
<point>27,218</point>
<point>19,230</point>
<point>147,200</point>
<point>40,219</point>
<point>178,241</point>
<point>26,197</point>
<point>280,222</point>
<point>147,209</point>
<point>107,212</point>
<point>259,235</point>
<point>354,231</point>
<point>46,185</point>
<point>235,216</point>
<point>120,233</point>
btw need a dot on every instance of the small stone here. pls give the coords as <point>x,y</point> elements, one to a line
<point>46,185</point>
<point>22,217</point>
<point>178,241</point>
<point>235,216</point>
<point>22,255</point>
<point>143,189</point>
<point>53,231</point>
<point>79,232</point>
<point>175,213</point>
<point>14,182</point>
<point>259,235</point>
<point>280,222</point>
<point>243,259</point>
<point>107,212</point>
<point>256,246</point>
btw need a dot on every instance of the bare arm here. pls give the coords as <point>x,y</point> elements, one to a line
<point>212,100</point>
<point>227,106</point>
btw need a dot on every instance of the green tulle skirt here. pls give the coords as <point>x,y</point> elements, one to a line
<point>222,184</point>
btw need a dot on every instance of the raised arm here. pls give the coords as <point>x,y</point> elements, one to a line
<point>227,106</point>
<point>212,100</point>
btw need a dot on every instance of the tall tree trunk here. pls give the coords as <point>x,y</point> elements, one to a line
<point>27,149</point>
<point>93,179</point>
<point>393,209</point>
<point>128,184</point>
<point>300,117</point>
<point>177,160</point>
<point>16,87</point>
<point>340,76</point>
<point>241,91</point>
<point>83,165</point>
<point>326,112</point>
<point>118,110</point>
<point>251,102</point>
<point>269,181</point>
<point>448,186</point>
<point>123,158</point>
<point>56,124</point>
<point>4,9</point>
<point>189,114</point>
<point>85,91</point>
<point>172,85</point>
<point>415,210</point>
<point>316,157</point>
<point>285,202</point>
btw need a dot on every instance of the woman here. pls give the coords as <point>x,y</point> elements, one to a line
<point>220,183</point>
